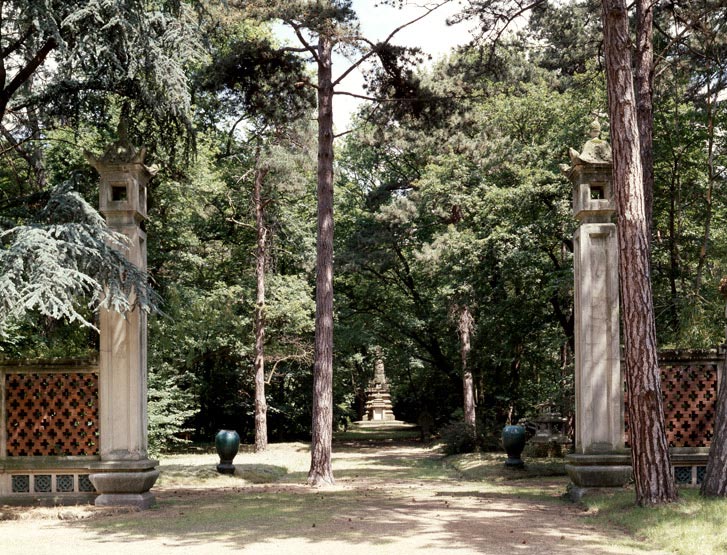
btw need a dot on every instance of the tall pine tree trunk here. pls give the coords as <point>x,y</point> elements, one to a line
<point>715,477</point>
<point>644,95</point>
<point>261,406</point>
<point>321,472</point>
<point>649,449</point>
<point>464,326</point>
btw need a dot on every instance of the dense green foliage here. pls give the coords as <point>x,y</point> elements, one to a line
<point>449,196</point>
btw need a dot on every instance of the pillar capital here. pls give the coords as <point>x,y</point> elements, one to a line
<point>590,172</point>
<point>123,183</point>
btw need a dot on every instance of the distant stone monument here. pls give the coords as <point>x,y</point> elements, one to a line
<point>378,399</point>
<point>600,458</point>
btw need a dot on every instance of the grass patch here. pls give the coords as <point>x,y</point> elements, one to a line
<point>393,467</point>
<point>206,475</point>
<point>247,517</point>
<point>490,467</point>
<point>541,481</point>
<point>691,525</point>
<point>200,470</point>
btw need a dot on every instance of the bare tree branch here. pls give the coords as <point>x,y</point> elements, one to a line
<point>386,40</point>
<point>25,73</point>
<point>298,33</point>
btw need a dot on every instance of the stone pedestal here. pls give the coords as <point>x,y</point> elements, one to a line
<point>125,473</point>
<point>378,403</point>
<point>600,459</point>
<point>124,483</point>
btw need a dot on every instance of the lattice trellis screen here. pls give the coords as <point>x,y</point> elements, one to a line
<point>52,414</point>
<point>690,394</point>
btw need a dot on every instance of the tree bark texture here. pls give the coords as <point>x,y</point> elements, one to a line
<point>261,406</point>
<point>715,477</point>
<point>649,451</point>
<point>464,326</point>
<point>321,472</point>
<point>645,95</point>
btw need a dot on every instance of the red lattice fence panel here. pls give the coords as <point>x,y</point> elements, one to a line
<point>53,414</point>
<point>689,391</point>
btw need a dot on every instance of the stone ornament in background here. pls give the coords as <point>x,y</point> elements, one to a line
<point>378,396</point>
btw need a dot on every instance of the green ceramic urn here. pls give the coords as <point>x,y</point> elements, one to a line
<point>227,442</point>
<point>513,440</point>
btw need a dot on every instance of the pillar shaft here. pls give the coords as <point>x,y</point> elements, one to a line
<point>122,357</point>
<point>125,474</point>
<point>599,415</point>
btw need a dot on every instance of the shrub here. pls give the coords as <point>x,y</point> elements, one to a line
<point>458,437</point>
<point>169,409</point>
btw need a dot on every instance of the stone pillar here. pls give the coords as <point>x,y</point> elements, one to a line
<point>125,473</point>
<point>600,458</point>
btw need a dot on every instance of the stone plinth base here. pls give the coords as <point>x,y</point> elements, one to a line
<point>48,500</point>
<point>138,500</point>
<point>608,470</point>
<point>689,456</point>
<point>599,476</point>
<point>384,424</point>
<point>125,483</point>
<point>576,494</point>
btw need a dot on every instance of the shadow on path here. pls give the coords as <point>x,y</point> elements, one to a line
<point>397,499</point>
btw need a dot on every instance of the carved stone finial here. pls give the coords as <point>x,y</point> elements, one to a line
<point>120,151</point>
<point>123,129</point>
<point>594,130</point>
<point>595,151</point>
<point>379,375</point>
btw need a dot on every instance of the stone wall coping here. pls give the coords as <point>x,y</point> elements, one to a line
<point>46,463</point>
<point>687,451</point>
<point>694,356</point>
<point>47,499</point>
<point>30,365</point>
<point>685,456</point>
<point>679,456</point>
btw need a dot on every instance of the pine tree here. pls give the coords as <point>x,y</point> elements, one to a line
<point>650,453</point>
<point>321,27</point>
<point>714,483</point>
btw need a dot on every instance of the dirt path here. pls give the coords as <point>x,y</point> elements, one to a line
<point>388,500</point>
